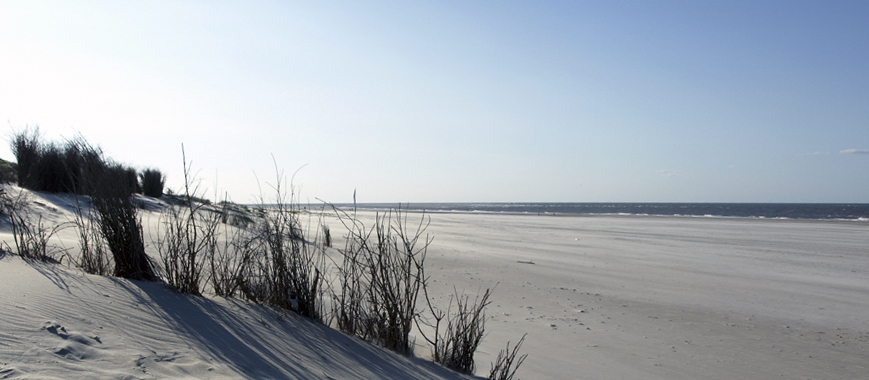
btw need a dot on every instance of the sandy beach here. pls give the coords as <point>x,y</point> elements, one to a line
<point>647,189</point>
<point>664,297</point>
<point>599,297</point>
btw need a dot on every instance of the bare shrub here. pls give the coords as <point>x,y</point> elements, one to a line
<point>395,274</point>
<point>380,278</point>
<point>31,237</point>
<point>188,239</point>
<point>380,274</point>
<point>349,301</point>
<point>454,347</point>
<point>505,365</point>
<point>234,255</point>
<point>285,269</point>
<point>230,261</point>
<point>184,245</point>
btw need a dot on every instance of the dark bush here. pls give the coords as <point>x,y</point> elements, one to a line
<point>82,162</point>
<point>41,166</point>
<point>152,182</point>
<point>119,223</point>
<point>131,180</point>
<point>63,168</point>
<point>25,146</point>
<point>50,173</point>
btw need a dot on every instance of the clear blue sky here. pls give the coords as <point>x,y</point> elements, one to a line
<point>573,101</point>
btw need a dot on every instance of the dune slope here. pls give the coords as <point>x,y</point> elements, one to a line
<point>59,323</point>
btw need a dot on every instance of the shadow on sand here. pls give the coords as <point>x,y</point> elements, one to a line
<point>260,342</point>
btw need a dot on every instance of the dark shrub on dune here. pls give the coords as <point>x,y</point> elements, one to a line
<point>119,222</point>
<point>77,167</point>
<point>110,187</point>
<point>41,166</point>
<point>152,182</point>
<point>25,147</point>
<point>49,173</point>
<point>62,168</point>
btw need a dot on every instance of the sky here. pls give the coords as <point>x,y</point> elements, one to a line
<point>456,101</point>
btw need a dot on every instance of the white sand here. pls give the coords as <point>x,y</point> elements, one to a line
<point>605,298</point>
<point>666,297</point>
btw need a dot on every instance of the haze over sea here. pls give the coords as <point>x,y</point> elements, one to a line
<point>857,211</point>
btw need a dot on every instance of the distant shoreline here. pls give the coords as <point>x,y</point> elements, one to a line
<point>786,211</point>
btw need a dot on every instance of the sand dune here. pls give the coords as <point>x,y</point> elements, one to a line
<point>602,297</point>
<point>58,323</point>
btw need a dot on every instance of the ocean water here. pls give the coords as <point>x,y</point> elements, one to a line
<point>859,212</point>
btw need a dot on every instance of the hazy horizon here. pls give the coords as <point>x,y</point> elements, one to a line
<point>560,101</point>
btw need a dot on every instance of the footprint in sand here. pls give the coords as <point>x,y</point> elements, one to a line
<point>73,346</point>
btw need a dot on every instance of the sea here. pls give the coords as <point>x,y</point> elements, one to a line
<point>827,211</point>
